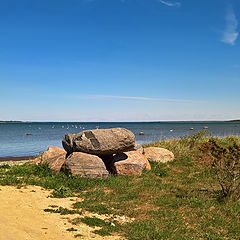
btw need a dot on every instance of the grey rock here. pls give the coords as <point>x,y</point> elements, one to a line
<point>85,165</point>
<point>100,141</point>
<point>67,142</point>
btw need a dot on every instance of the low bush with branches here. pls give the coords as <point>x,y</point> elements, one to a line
<point>224,160</point>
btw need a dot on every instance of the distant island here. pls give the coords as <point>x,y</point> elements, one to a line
<point>234,121</point>
<point>14,122</point>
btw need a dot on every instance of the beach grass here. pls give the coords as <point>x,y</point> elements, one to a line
<point>179,200</point>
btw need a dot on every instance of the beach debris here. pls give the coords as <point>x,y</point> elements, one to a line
<point>205,127</point>
<point>28,134</point>
<point>156,154</point>
<point>191,128</point>
<point>85,165</point>
<point>141,133</point>
<point>100,141</point>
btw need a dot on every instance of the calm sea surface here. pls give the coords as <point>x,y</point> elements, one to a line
<point>15,141</point>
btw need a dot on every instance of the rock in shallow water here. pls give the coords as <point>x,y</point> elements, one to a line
<point>100,141</point>
<point>85,165</point>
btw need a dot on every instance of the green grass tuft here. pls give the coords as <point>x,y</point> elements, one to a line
<point>63,211</point>
<point>61,192</point>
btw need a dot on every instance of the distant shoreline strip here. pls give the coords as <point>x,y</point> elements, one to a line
<point>15,159</point>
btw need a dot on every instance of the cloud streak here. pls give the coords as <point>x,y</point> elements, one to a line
<point>138,98</point>
<point>230,34</point>
<point>165,2</point>
<point>170,4</point>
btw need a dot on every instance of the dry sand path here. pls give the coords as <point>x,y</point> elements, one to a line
<point>22,216</point>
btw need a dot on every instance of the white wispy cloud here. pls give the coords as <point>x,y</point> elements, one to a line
<point>170,4</point>
<point>230,34</point>
<point>138,98</point>
<point>165,2</point>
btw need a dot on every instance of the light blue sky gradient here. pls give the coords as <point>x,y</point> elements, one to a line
<point>119,60</point>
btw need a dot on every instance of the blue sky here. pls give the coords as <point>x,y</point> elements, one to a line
<point>119,60</point>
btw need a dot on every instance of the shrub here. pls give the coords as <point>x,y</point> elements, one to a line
<point>225,162</point>
<point>193,140</point>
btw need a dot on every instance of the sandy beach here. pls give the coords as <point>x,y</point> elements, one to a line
<point>22,216</point>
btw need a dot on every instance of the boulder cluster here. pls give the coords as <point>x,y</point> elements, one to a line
<point>100,152</point>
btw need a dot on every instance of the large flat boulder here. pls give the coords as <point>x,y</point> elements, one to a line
<point>129,163</point>
<point>156,154</point>
<point>85,165</point>
<point>100,141</point>
<point>54,157</point>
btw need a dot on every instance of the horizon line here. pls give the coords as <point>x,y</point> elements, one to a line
<point>141,121</point>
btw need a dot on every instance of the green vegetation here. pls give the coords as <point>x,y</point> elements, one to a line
<point>62,211</point>
<point>188,198</point>
<point>225,162</point>
<point>107,226</point>
<point>61,192</point>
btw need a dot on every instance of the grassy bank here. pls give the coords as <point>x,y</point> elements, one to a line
<point>180,200</point>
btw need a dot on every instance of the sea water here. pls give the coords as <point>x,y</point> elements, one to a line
<point>28,139</point>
